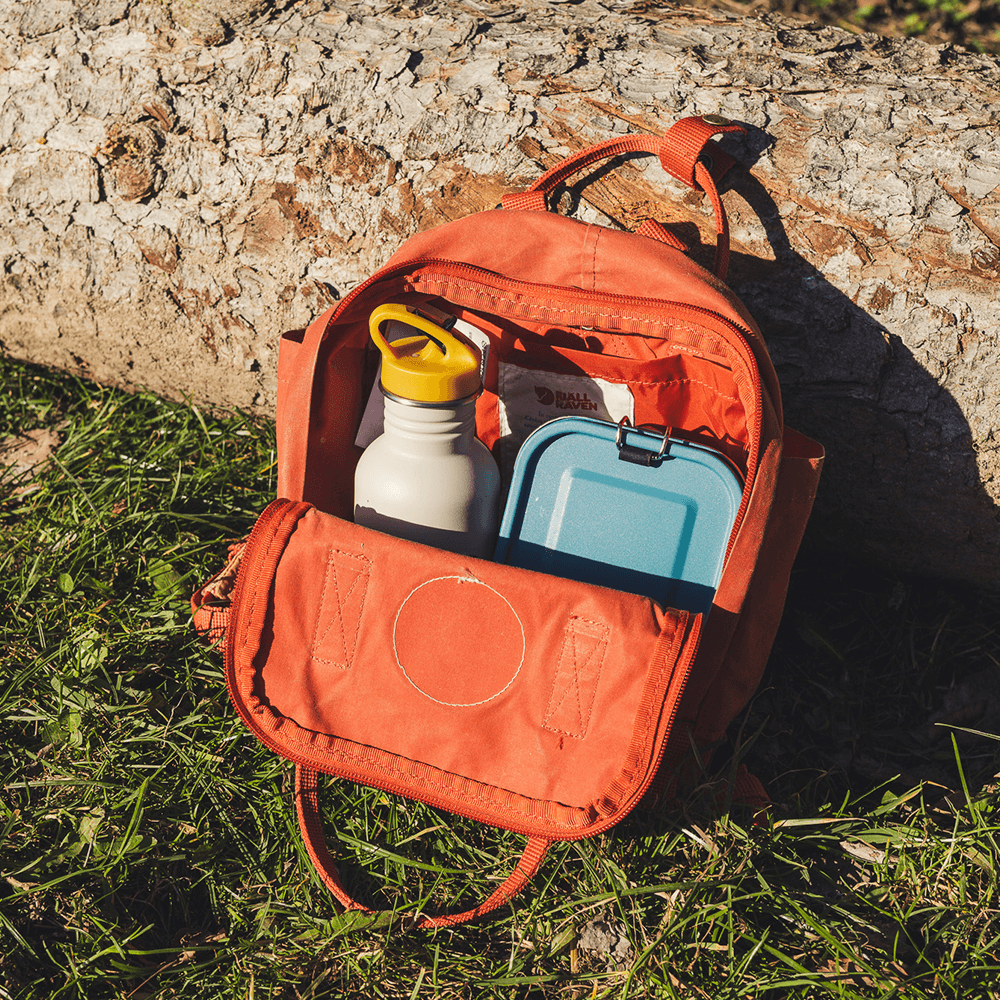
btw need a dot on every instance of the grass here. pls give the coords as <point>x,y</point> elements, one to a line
<point>974,24</point>
<point>149,846</point>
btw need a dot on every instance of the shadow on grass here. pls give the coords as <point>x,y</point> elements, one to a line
<point>871,679</point>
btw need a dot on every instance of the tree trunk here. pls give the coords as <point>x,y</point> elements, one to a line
<point>179,183</point>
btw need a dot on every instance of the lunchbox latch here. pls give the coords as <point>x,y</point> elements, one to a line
<point>640,456</point>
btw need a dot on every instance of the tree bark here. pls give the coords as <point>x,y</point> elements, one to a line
<point>180,182</point>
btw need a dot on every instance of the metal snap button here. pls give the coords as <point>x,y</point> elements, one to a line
<point>715,120</point>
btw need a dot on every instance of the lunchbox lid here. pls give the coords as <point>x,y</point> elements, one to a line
<point>621,507</point>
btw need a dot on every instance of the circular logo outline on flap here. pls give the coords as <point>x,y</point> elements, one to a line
<point>458,704</point>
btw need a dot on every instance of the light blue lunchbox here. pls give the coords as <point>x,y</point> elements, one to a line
<point>621,507</point>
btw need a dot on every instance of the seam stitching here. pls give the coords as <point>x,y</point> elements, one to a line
<point>360,579</point>
<point>570,657</point>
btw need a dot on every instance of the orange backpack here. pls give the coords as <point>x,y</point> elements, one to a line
<point>542,705</point>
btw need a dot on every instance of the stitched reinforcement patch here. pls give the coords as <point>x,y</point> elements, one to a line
<point>577,673</point>
<point>335,636</point>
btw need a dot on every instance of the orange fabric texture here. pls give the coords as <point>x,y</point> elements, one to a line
<point>344,642</point>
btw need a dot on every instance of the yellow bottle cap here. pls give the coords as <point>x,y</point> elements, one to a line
<point>435,367</point>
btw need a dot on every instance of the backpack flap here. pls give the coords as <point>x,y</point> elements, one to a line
<point>533,703</point>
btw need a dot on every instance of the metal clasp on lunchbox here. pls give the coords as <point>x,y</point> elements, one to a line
<point>640,456</point>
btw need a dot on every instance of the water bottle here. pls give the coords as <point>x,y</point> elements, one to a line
<point>427,477</point>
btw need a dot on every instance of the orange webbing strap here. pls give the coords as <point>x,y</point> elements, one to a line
<point>721,266</point>
<point>686,152</point>
<point>688,142</point>
<point>749,791</point>
<point>525,201</point>
<point>307,804</point>
<point>565,169</point>
<point>657,231</point>
<point>210,602</point>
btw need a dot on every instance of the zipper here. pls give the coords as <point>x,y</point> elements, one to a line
<point>694,641</point>
<point>671,753</point>
<point>275,525</point>
<point>496,280</point>
<point>284,513</point>
<point>271,532</point>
